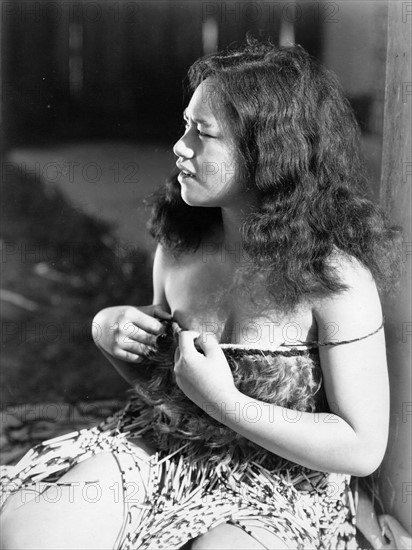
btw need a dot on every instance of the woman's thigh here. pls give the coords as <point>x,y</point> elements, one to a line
<point>229,537</point>
<point>87,513</point>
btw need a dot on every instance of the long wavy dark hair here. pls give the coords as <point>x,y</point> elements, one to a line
<point>297,142</point>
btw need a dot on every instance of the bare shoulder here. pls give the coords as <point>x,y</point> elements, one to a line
<point>161,267</point>
<point>165,259</point>
<point>161,258</point>
<point>353,273</point>
<point>355,311</point>
<point>167,265</point>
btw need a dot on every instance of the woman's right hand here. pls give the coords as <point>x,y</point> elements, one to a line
<point>127,332</point>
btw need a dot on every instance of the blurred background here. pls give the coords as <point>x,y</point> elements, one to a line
<point>93,94</point>
<point>92,101</point>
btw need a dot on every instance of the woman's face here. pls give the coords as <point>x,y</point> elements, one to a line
<point>206,156</point>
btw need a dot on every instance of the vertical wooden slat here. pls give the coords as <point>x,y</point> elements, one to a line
<point>1,92</point>
<point>395,474</point>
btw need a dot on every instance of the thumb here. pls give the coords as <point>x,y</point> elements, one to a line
<point>186,342</point>
<point>209,345</point>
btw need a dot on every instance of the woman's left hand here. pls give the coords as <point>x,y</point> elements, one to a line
<point>207,378</point>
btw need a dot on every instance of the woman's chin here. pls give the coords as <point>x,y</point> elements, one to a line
<point>190,196</point>
<point>193,196</point>
<point>191,200</point>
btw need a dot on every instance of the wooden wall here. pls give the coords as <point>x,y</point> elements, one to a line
<point>395,475</point>
<point>128,60</point>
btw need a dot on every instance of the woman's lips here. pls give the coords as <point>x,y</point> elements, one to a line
<point>184,171</point>
<point>184,175</point>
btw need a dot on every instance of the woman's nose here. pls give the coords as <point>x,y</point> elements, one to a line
<point>181,149</point>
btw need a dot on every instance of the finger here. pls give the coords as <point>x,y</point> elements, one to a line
<point>139,349</point>
<point>128,356</point>
<point>177,355</point>
<point>159,312</point>
<point>130,333</point>
<point>186,342</point>
<point>144,321</point>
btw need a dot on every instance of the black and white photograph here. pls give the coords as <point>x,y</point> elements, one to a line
<point>206,248</point>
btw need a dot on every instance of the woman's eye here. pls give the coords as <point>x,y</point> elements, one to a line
<point>202,134</point>
<point>187,126</point>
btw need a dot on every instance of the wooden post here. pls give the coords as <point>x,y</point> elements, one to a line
<point>395,477</point>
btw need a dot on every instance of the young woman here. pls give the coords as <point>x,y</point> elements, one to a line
<point>260,368</point>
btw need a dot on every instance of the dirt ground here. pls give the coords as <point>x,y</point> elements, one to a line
<point>108,180</point>
<point>73,240</point>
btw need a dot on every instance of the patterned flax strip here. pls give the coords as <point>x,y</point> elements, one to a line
<point>186,496</point>
<point>228,513</point>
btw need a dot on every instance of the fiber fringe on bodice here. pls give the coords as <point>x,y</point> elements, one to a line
<point>162,413</point>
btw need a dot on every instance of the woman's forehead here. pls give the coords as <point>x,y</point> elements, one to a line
<point>199,108</point>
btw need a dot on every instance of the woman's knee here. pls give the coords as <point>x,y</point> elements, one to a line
<point>18,532</point>
<point>83,511</point>
<point>48,523</point>
<point>225,537</point>
<point>228,537</point>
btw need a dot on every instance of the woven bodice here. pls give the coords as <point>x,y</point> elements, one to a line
<point>165,416</point>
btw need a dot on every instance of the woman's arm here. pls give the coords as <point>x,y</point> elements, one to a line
<point>113,327</point>
<point>352,439</point>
